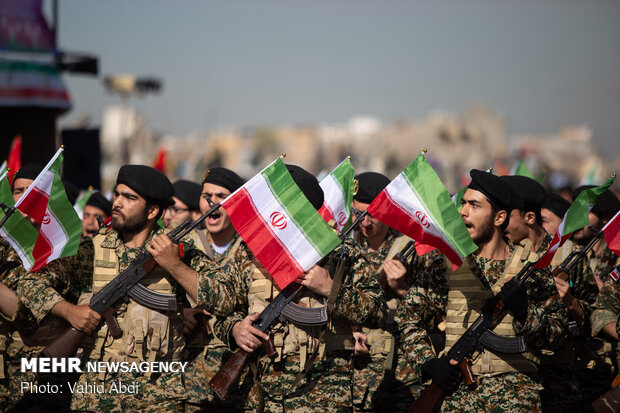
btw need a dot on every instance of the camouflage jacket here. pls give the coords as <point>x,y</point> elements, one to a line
<point>40,291</point>
<point>11,273</point>
<point>360,300</point>
<point>606,309</point>
<point>427,299</point>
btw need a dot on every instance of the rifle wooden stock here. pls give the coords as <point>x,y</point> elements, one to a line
<point>228,376</point>
<point>66,345</point>
<point>430,400</point>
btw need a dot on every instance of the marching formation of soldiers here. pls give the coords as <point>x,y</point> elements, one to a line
<point>393,316</point>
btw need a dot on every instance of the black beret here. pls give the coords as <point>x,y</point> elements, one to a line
<point>308,184</point>
<point>499,193</point>
<point>71,190</point>
<point>556,204</point>
<point>607,203</point>
<point>369,185</point>
<point>29,171</point>
<point>223,177</point>
<point>148,182</point>
<point>188,192</point>
<point>531,192</point>
<point>97,200</point>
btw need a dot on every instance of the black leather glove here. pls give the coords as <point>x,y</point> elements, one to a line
<point>514,298</point>
<point>443,374</point>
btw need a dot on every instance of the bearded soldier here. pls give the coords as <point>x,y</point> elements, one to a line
<point>205,352</point>
<point>312,369</point>
<point>140,196</point>
<point>505,381</point>
<point>380,374</point>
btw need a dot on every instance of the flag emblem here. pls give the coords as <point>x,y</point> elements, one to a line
<point>278,220</point>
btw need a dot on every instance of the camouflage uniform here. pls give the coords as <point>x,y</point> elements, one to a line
<point>577,372</point>
<point>606,310</point>
<point>327,385</point>
<point>205,352</point>
<point>161,340</point>
<point>376,385</point>
<point>509,387</point>
<point>37,331</point>
<point>603,262</point>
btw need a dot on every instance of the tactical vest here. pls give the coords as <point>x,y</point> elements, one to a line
<point>291,339</point>
<point>148,335</point>
<point>380,339</point>
<point>465,300</point>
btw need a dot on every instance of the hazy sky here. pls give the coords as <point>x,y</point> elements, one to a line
<point>541,64</point>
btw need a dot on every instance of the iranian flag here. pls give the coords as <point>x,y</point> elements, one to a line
<point>46,203</point>
<point>575,218</point>
<point>16,230</point>
<point>279,225</point>
<point>417,204</point>
<point>338,190</point>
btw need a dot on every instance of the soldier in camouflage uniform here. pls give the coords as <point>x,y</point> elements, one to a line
<point>312,369</point>
<point>186,205</point>
<point>506,382</point>
<point>30,334</point>
<point>381,380</point>
<point>140,195</point>
<point>574,365</point>
<point>606,311</point>
<point>205,352</point>
<point>96,205</point>
<point>601,259</point>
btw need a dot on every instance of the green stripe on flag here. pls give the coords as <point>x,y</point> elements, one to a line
<point>17,228</point>
<point>299,209</point>
<point>62,209</point>
<point>344,175</point>
<point>436,200</point>
<point>14,66</point>
<point>577,214</point>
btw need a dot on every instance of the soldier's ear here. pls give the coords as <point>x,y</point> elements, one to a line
<point>152,211</point>
<point>530,218</point>
<point>500,217</point>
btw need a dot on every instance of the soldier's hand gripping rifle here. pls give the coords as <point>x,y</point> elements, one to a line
<point>280,309</point>
<point>480,335</point>
<point>124,286</point>
<point>402,256</point>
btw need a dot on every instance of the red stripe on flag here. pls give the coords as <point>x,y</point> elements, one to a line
<point>326,212</point>
<point>259,236</point>
<point>397,217</point>
<point>612,234</point>
<point>41,252</point>
<point>33,93</point>
<point>35,204</point>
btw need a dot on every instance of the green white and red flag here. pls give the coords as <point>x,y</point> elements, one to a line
<point>575,218</point>
<point>80,203</point>
<point>2,169</point>
<point>45,201</point>
<point>15,157</point>
<point>611,232</point>
<point>278,223</point>
<point>17,231</point>
<point>614,273</point>
<point>338,190</point>
<point>417,204</point>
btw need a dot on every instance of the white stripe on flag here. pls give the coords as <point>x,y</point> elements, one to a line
<point>291,237</point>
<point>335,200</point>
<point>401,194</point>
<point>55,233</point>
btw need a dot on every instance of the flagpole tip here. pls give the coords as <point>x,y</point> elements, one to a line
<point>490,169</point>
<point>349,157</point>
<point>424,150</point>
<point>284,154</point>
<point>62,147</point>
<point>614,175</point>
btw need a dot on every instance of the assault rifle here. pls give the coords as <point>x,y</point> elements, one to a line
<point>124,286</point>
<point>280,309</point>
<point>480,335</point>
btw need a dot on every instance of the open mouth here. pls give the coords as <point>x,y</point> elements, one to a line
<point>468,226</point>
<point>214,218</point>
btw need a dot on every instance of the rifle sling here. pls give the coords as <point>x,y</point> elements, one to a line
<point>333,294</point>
